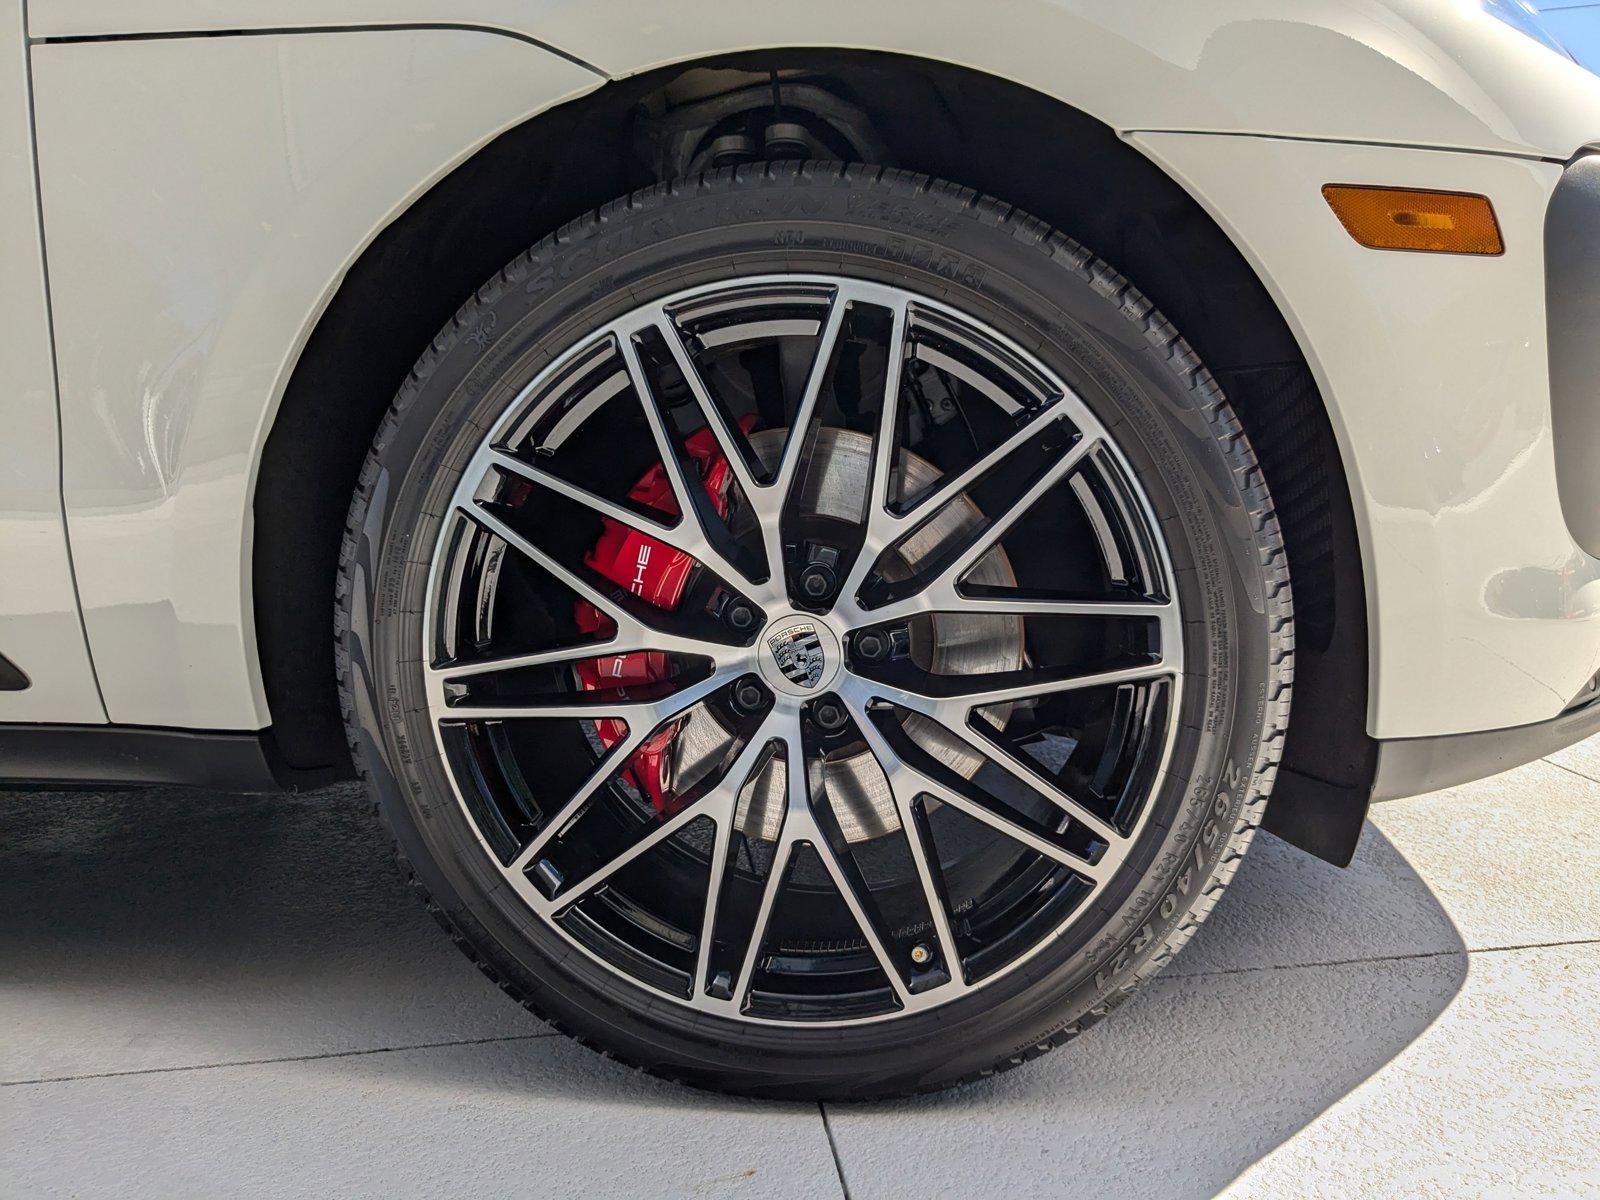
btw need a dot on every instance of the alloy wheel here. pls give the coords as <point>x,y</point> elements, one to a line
<point>803,650</point>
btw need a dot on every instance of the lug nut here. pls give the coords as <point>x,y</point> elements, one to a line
<point>740,616</point>
<point>871,646</point>
<point>829,716</point>
<point>816,582</point>
<point>748,695</point>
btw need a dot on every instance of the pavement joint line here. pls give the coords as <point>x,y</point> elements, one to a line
<point>288,1058</point>
<point>1378,958</point>
<point>821,1109</point>
<point>1570,770</point>
<point>833,1148</point>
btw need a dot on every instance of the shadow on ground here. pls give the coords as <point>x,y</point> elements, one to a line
<point>1304,982</point>
<point>169,929</point>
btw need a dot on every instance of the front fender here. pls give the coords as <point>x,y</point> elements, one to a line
<point>1405,72</point>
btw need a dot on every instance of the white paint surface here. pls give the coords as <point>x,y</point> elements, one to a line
<point>183,293</point>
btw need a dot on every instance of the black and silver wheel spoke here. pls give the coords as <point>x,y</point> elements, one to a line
<point>773,799</point>
<point>766,498</point>
<point>647,714</point>
<point>769,501</point>
<point>941,589</point>
<point>903,773</point>
<point>689,535</point>
<point>907,788</point>
<point>715,801</point>
<point>707,540</point>
<point>633,630</point>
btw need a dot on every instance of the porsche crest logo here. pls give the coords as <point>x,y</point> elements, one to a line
<point>798,652</point>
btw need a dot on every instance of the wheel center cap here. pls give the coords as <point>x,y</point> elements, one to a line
<point>799,655</point>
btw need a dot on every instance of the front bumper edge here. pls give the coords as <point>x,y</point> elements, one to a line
<point>1412,766</point>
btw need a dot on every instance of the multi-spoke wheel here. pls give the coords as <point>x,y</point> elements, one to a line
<point>807,657</point>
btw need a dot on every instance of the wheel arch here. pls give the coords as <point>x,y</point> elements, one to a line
<point>1054,161</point>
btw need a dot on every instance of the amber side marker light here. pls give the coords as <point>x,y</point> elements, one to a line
<point>1407,219</point>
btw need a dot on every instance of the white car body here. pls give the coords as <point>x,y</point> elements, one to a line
<point>179,210</point>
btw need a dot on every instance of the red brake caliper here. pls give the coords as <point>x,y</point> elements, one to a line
<point>659,575</point>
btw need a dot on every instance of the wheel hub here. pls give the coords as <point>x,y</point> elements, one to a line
<point>799,655</point>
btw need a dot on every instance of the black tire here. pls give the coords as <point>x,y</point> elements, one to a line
<point>1044,291</point>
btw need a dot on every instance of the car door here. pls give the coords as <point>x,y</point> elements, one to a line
<point>45,670</point>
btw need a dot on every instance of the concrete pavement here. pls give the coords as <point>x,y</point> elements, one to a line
<point>211,995</point>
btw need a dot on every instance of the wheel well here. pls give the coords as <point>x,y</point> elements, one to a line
<point>952,123</point>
